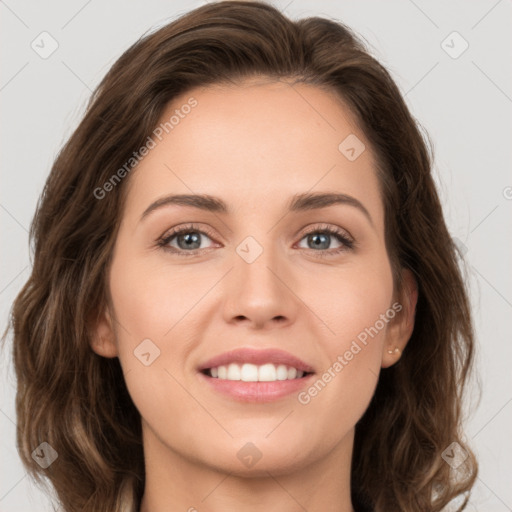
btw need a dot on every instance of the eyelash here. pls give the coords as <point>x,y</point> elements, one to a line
<point>347,243</point>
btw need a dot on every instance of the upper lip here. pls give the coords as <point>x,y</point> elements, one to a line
<point>257,357</point>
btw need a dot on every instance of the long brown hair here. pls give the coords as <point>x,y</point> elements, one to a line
<point>77,401</point>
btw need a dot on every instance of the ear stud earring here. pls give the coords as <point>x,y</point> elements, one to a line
<point>397,350</point>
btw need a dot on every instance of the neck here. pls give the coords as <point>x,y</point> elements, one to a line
<point>177,482</point>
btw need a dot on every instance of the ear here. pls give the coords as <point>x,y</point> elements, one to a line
<point>400,328</point>
<point>103,338</point>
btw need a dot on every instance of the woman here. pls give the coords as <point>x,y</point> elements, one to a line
<point>244,295</point>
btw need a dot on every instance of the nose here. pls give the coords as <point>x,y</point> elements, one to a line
<point>260,294</point>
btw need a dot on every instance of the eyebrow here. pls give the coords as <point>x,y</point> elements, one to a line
<point>298,203</point>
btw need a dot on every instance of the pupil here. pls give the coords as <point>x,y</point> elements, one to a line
<point>318,243</point>
<point>191,238</point>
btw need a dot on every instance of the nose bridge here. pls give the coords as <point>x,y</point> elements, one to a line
<point>258,291</point>
<point>257,264</point>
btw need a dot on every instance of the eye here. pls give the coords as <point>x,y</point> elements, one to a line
<point>320,237</point>
<point>187,238</point>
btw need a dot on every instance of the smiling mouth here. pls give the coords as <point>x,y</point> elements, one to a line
<point>248,372</point>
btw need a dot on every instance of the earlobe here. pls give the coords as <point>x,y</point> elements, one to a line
<point>401,327</point>
<point>103,340</point>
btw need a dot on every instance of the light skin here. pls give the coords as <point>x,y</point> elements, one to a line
<point>254,145</point>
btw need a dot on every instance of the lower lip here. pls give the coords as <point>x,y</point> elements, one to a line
<point>259,392</point>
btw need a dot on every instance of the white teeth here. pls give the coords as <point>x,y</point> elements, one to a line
<point>267,373</point>
<point>248,372</point>
<point>233,372</point>
<point>282,372</point>
<point>223,372</point>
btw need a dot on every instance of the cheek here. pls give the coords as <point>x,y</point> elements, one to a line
<point>150,301</point>
<point>351,300</point>
<point>343,389</point>
<point>356,306</point>
<point>151,306</point>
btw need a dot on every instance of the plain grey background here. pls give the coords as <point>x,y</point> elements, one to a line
<point>462,97</point>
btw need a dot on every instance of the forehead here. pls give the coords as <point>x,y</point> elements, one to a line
<point>256,143</point>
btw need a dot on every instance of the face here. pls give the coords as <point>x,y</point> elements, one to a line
<point>274,284</point>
